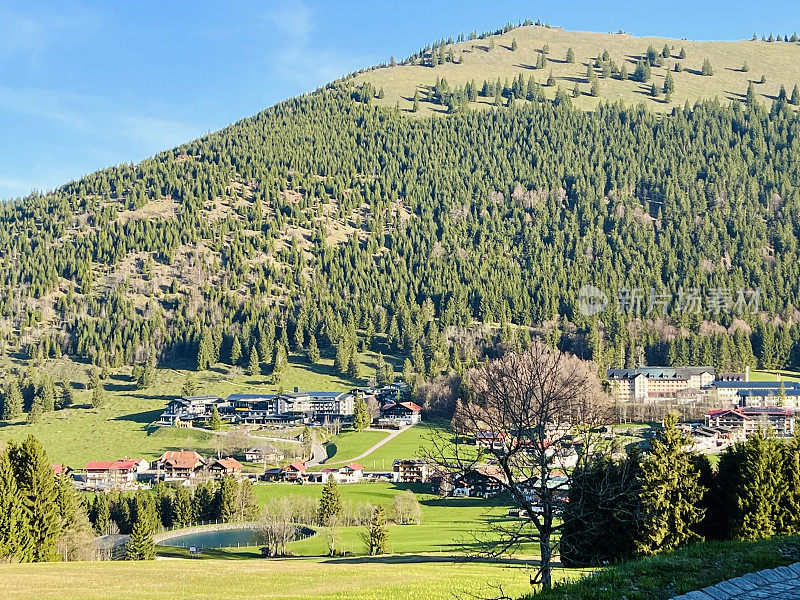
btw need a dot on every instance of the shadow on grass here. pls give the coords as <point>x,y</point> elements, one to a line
<point>144,417</point>
<point>427,558</point>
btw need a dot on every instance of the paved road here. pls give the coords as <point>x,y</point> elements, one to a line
<point>783,583</point>
<point>393,434</point>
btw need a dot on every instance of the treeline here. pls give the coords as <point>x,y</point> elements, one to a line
<point>226,500</point>
<point>493,217</point>
<point>668,497</point>
<point>41,516</point>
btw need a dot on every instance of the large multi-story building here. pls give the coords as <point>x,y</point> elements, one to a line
<point>292,408</point>
<point>750,419</point>
<point>650,384</point>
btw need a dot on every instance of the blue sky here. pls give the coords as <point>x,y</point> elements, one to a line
<point>85,85</point>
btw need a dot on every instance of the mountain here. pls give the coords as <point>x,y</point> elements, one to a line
<point>491,57</point>
<point>334,217</point>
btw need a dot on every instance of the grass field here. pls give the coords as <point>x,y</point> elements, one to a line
<point>447,523</point>
<point>756,375</point>
<point>384,578</point>
<point>688,569</point>
<point>778,62</point>
<point>124,426</point>
<point>346,446</point>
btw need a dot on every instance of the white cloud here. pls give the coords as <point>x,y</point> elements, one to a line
<point>91,115</point>
<point>296,58</point>
<point>31,33</point>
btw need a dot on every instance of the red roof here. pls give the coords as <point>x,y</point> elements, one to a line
<point>107,465</point>
<point>298,466</point>
<point>57,469</point>
<point>182,459</point>
<point>229,463</point>
<point>355,466</point>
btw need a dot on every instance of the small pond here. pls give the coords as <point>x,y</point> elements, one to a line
<point>226,538</point>
<point>230,538</point>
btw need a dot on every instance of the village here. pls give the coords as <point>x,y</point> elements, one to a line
<point>735,407</point>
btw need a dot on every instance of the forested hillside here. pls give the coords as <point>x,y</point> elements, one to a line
<point>327,221</point>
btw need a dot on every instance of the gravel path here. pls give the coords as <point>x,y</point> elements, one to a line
<point>782,583</point>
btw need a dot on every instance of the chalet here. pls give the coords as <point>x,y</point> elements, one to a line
<point>295,472</point>
<point>118,474</point>
<point>263,454</point>
<point>180,465</point>
<point>491,440</point>
<point>352,473</point>
<point>401,413</point>
<point>481,482</point>
<point>751,419</point>
<point>274,474</point>
<point>411,470</point>
<point>225,467</point>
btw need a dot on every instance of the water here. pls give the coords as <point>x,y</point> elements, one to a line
<point>230,538</point>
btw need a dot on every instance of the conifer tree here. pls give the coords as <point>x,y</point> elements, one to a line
<point>226,500</point>
<point>670,492</point>
<point>551,81</point>
<point>665,52</point>
<point>377,535</point>
<point>745,67</point>
<point>12,402</point>
<point>330,502</point>
<point>12,529</point>
<point>757,491</point>
<point>141,545</point>
<point>254,365</point>
<point>354,366</point>
<point>37,492</point>
<point>215,422</point>
<point>236,351</point>
<point>795,99</point>
<point>787,521</point>
<point>361,419</point>
<point>189,386</point>
<point>101,514</point>
<point>312,352</point>
<point>707,70</point>
<point>182,513</point>
<point>205,351</point>
<point>514,45</point>
<point>279,364</point>
<point>682,53</point>
<point>570,56</point>
<point>669,84</point>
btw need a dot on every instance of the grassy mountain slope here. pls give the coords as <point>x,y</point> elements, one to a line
<point>779,62</point>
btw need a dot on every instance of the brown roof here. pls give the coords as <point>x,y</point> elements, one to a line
<point>230,464</point>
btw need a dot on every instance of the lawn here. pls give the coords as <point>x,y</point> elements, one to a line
<point>756,375</point>
<point>688,569</point>
<point>384,578</point>
<point>448,524</point>
<point>408,444</point>
<point>776,61</point>
<point>124,426</point>
<point>346,446</point>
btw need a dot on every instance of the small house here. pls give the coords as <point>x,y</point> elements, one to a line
<point>180,464</point>
<point>225,467</point>
<point>295,472</point>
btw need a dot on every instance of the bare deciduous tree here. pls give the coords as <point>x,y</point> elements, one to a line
<point>536,415</point>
